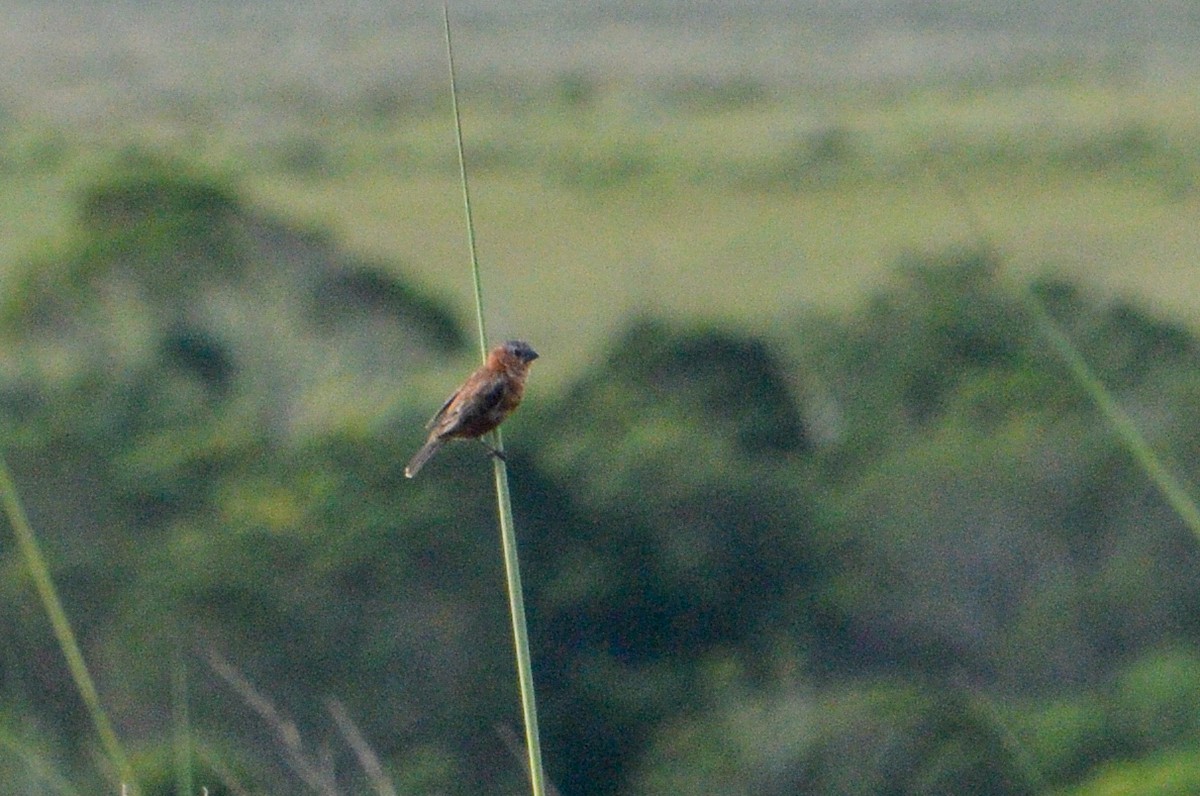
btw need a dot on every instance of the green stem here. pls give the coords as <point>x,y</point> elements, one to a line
<point>466,189</point>
<point>36,562</point>
<point>1121,423</point>
<point>508,536</point>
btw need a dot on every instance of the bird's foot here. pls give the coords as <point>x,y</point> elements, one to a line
<point>499,454</point>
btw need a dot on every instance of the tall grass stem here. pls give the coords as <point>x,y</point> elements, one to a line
<point>512,570</point>
<point>40,573</point>
<point>1121,424</point>
<point>1150,463</point>
<point>466,189</point>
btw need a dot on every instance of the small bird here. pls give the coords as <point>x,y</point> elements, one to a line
<point>488,396</point>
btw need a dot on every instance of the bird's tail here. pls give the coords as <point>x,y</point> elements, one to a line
<point>425,454</point>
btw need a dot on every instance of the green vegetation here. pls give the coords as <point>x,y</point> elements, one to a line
<point>634,199</point>
<point>807,501</point>
<point>891,545</point>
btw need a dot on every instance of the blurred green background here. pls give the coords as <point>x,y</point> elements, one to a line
<point>806,503</point>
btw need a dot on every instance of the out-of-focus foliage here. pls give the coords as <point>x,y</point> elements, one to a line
<point>172,283</point>
<point>860,738</point>
<point>683,458</point>
<point>1170,774</point>
<point>893,551</point>
<point>995,509</point>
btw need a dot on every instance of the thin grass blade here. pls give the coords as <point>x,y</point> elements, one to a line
<point>512,570</point>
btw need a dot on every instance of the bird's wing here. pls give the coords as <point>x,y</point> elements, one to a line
<point>489,399</point>
<point>442,412</point>
<point>473,406</point>
<point>475,399</point>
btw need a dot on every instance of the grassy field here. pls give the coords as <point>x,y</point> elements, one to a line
<point>719,196</point>
<point>746,213</point>
<point>704,177</point>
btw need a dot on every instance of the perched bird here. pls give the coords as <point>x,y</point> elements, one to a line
<point>488,396</point>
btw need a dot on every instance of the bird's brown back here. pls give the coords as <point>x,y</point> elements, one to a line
<point>488,396</point>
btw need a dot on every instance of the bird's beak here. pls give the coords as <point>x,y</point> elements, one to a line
<point>532,355</point>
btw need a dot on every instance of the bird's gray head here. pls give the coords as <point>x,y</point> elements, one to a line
<point>521,350</point>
